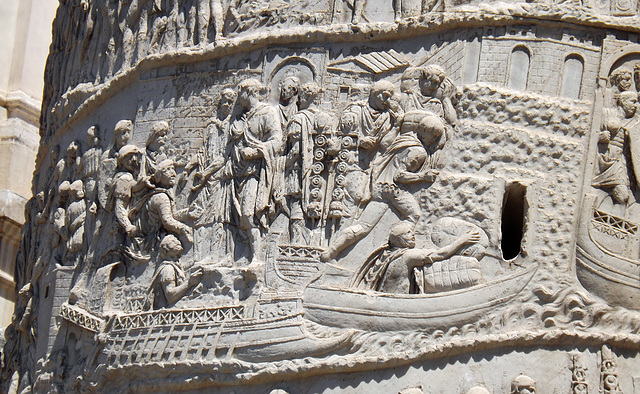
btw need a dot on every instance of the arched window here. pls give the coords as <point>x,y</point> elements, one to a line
<point>519,71</point>
<point>572,76</point>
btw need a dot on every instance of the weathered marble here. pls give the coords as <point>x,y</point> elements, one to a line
<point>335,197</point>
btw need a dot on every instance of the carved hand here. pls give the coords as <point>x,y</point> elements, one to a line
<point>131,230</point>
<point>217,162</point>
<point>195,277</point>
<point>367,142</point>
<point>198,179</point>
<point>472,237</point>
<point>188,233</point>
<point>195,211</point>
<point>249,153</point>
<point>430,175</point>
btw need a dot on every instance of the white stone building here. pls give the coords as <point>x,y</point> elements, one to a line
<point>26,35</point>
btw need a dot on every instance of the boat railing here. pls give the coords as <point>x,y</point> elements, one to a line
<point>81,318</point>
<point>613,225</point>
<point>177,317</point>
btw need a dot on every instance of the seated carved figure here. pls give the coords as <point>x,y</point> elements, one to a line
<point>390,269</point>
<point>170,282</point>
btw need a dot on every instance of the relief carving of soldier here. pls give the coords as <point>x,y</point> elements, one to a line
<point>211,157</point>
<point>90,167</point>
<point>299,161</point>
<point>76,216</point>
<point>619,160</point>
<point>378,118</point>
<point>154,213</point>
<point>109,165</point>
<point>404,161</point>
<point>155,151</point>
<point>429,88</point>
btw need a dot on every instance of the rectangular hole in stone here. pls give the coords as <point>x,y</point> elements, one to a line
<point>514,214</point>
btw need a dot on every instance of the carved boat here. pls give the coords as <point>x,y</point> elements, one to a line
<point>603,272</point>
<point>206,334</point>
<point>403,312</point>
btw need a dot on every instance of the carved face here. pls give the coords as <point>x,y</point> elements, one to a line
<point>122,136</point>
<point>72,150</point>
<point>306,98</point>
<point>430,130</point>
<point>160,137</point>
<point>628,103</point>
<point>624,81</point>
<point>429,84</point>
<point>380,99</point>
<point>171,246</point>
<point>76,190</point>
<point>243,98</point>
<point>166,176</point>
<point>402,235</point>
<point>288,89</point>
<point>40,200</point>
<point>410,80</point>
<point>132,161</point>
<point>54,155</point>
<point>227,98</point>
<point>409,239</point>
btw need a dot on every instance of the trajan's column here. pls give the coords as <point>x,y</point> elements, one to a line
<point>359,196</point>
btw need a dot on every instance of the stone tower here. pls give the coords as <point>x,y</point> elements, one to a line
<point>334,196</point>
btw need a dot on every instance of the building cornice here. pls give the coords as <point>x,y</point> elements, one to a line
<point>20,105</point>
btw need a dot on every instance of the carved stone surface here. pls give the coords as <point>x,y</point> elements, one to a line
<point>259,196</point>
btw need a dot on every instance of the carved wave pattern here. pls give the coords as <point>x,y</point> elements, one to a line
<point>568,315</point>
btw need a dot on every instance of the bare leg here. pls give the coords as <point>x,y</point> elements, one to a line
<point>371,215</point>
